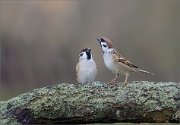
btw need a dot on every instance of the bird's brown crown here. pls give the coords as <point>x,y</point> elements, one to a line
<point>108,41</point>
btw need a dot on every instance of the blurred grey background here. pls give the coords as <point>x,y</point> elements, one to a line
<point>41,40</point>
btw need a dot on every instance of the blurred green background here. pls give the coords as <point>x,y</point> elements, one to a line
<point>41,40</point>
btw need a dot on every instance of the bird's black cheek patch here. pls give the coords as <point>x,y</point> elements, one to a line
<point>104,45</point>
<point>81,54</point>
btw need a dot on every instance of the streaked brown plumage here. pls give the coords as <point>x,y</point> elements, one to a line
<point>116,62</point>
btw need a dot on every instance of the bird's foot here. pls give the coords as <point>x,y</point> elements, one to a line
<point>125,83</point>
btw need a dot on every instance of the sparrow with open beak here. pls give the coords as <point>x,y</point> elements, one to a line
<point>116,62</point>
<point>86,70</point>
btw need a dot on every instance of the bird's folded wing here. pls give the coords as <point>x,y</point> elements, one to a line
<point>120,59</point>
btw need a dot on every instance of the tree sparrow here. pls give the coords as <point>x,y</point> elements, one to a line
<point>86,68</point>
<point>116,62</point>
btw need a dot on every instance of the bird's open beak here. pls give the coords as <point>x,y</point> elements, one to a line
<point>98,39</point>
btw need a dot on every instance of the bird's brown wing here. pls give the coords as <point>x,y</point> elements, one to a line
<point>120,59</point>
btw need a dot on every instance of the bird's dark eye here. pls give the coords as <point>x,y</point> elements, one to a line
<point>104,45</point>
<point>81,54</point>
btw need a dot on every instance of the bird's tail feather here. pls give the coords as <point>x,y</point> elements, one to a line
<point>144,71</point>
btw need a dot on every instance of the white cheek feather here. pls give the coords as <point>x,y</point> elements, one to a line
<point>87,71</point>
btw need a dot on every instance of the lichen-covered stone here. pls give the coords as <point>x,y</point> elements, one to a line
<point>95,102</point>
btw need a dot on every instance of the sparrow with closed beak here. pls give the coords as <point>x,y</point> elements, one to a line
<point>116,62</point>
<point>86,70</point>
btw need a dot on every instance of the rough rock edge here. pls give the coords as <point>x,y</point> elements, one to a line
<point>139,101</point>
